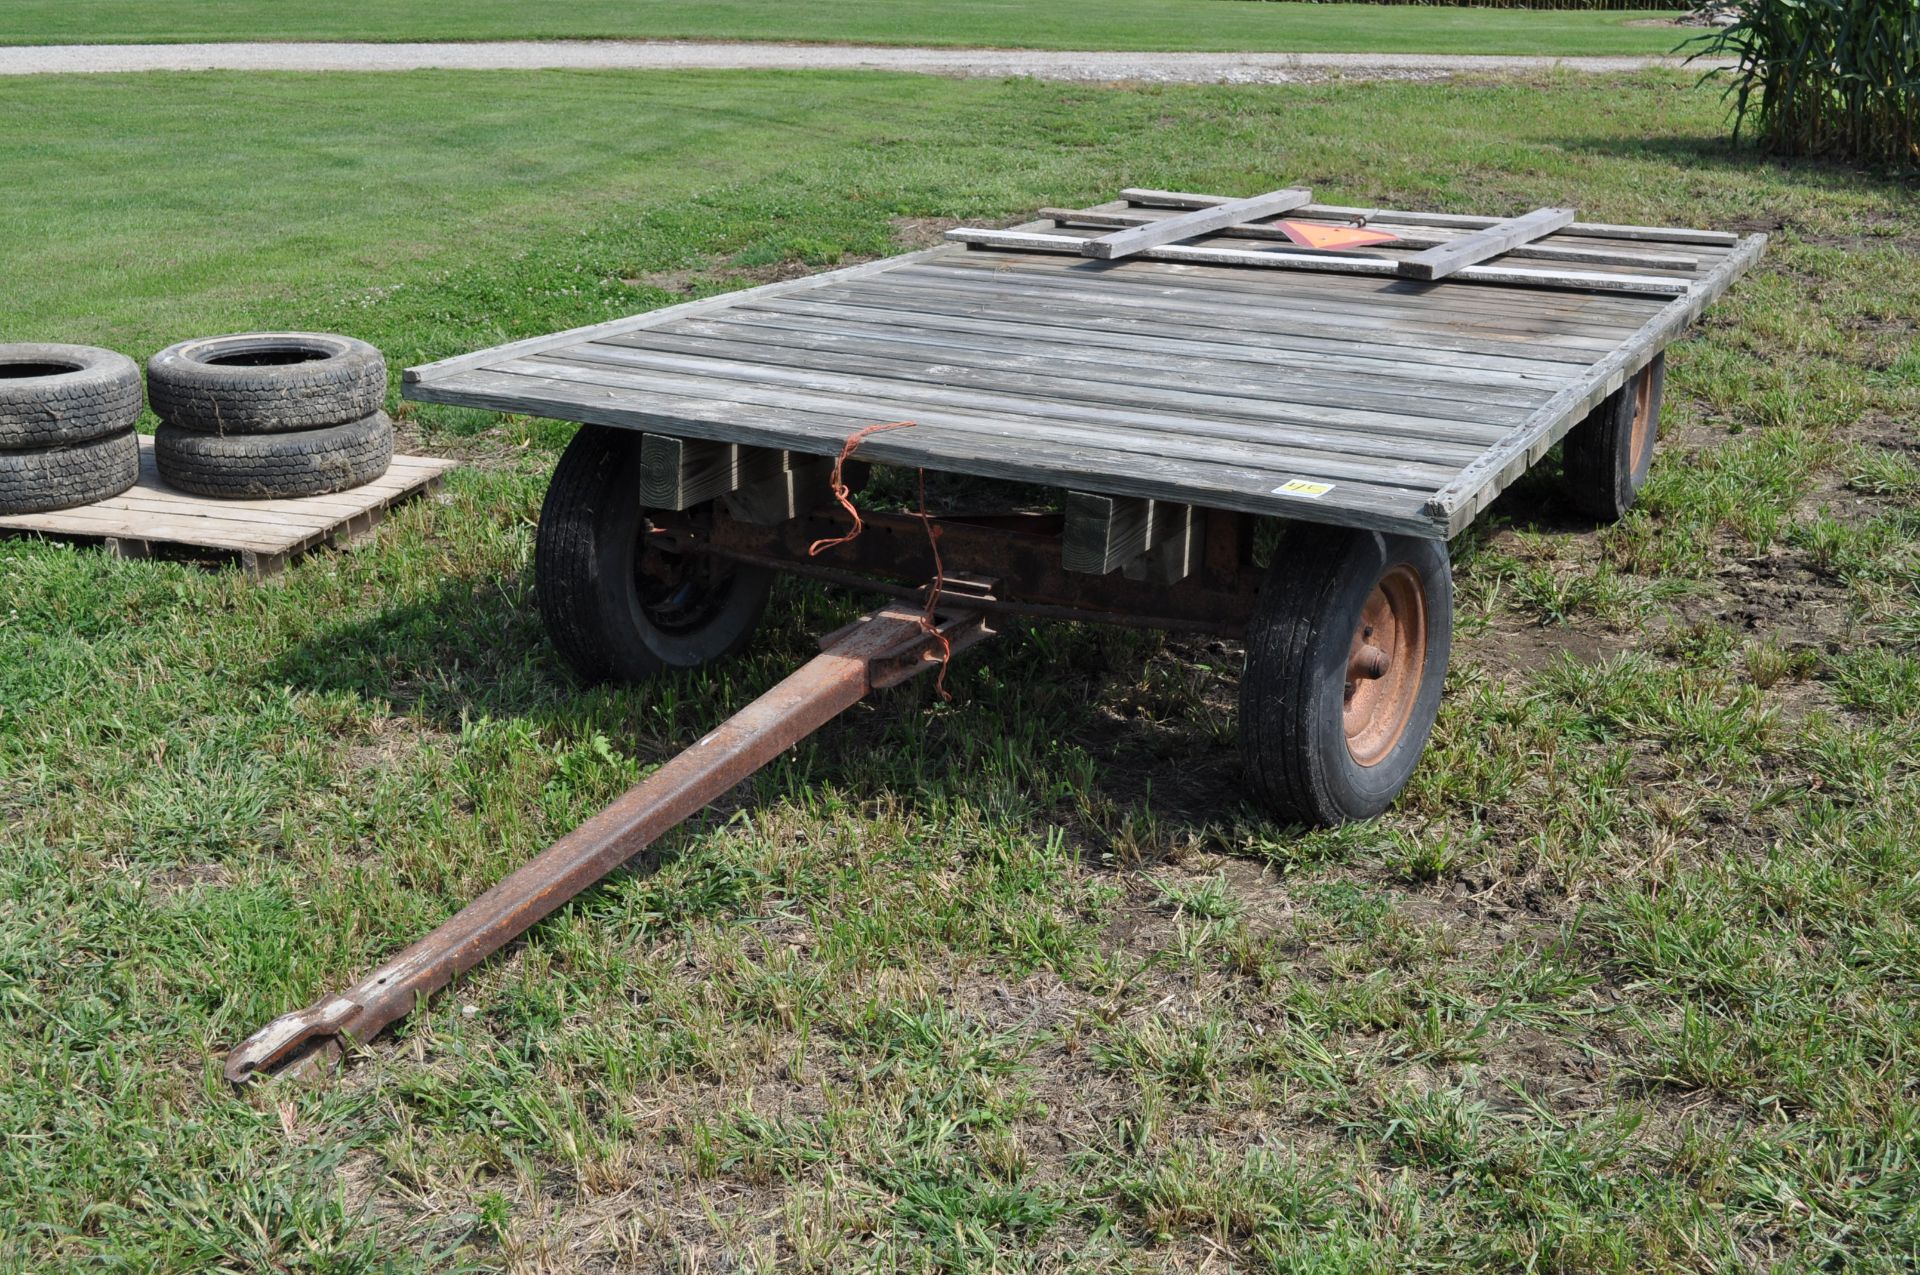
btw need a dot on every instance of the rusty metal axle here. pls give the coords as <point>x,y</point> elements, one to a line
<point>882,649</point>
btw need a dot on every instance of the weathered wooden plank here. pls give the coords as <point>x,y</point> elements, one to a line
<point>1524,255</point>
<point>996,450</point>
<point>184,529</point>
<point>1596,230</point>
<point>1379,300</point>
<point>1063,428</point>
<point>1091,302</point>
<point>151,496</point>
<point>1517,276</point>
<point>1054,429</point>
<point>1291,425</point>
<point>238,519</point>
<point>1408,413</point>
<point>1133,239</point>
<point>1062,355</point>
<point>1484,245</point>
<point>1455,505</point>
<point>1383,302</point>
<point>1406,237</point>
<point>1305,341</point>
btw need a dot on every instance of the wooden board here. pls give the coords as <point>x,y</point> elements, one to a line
<point>1197,379</point>
<point>1404,237</point>
<point>1435,263</point>
<point>1483,245</point>
<point>263,534</point>
<point>1598,230</point>
<point>1199,221</point>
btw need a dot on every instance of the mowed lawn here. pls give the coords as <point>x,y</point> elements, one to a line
<point>1627,981</point>
<point>1231,25</point>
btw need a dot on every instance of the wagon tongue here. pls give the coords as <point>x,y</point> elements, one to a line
<point>881,649</point>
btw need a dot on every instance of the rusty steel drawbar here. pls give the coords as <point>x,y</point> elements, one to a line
<point>879,650</point>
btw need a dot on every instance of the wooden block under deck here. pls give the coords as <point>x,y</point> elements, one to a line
<point>784,496</point>
<point>679,473</point>
<point>763,486</point>
<point>1152,540</point>
<point>1176,548</point>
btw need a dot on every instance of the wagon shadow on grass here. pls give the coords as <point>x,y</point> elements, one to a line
<point>1087,727</point>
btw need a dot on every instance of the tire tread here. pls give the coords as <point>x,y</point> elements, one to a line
<point>100,399</point>
<point>274,466</point>
<point>284,398</point>
<point>41,480</point>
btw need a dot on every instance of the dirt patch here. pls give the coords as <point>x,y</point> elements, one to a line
<point>914,233</point>
<point>390,743</point>
<point>1515,648</point>
<point>184,878</point>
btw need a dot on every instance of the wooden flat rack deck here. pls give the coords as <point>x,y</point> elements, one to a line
<point>1170,346</point>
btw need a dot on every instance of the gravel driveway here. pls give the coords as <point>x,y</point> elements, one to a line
<point>663,55</point>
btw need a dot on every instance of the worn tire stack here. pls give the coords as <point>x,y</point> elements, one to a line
<point>262,415</point>
<point>66,426</point>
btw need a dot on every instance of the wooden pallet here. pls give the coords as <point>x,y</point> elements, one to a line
<point>151,517</point>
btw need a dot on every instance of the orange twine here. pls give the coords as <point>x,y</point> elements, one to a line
<point>840,493</point>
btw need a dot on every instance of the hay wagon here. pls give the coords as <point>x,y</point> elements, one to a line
<point>1177,368</point>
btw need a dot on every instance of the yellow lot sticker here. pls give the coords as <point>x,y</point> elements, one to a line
<point>1301,487</point>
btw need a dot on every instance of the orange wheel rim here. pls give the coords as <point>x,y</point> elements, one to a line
<point>1386,662</point>
<point>1645,425</point>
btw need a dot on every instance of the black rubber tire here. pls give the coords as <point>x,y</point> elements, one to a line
<point>274,466</point>
<point>54,395</point>
<point>1293,741</point>
<point>586,573</point>
<point>266,382</point>
<point>36,480</point>
<point>1602,476</point>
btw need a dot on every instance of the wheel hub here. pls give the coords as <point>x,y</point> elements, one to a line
<point>1386,663</point>
<point>679,591</point>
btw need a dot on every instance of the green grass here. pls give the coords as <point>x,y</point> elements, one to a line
<point>1626,982</point>
<point>1230,25</point>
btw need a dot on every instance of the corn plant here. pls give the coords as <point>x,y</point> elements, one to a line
<point>1838,78</point>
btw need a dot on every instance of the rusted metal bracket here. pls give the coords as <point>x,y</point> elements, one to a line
<point>881,649</point>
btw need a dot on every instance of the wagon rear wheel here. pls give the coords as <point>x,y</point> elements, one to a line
<point>1607,456</point>
<point>1346,658</point>
<point>619,603</point>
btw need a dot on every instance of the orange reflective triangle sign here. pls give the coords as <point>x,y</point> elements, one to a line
<point>1310,234</point>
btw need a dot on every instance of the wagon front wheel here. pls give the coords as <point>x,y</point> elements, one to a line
<point>1607,456</point>
<point>1346,658</point>
<point>619,603</point>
